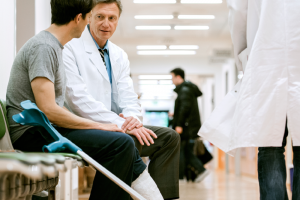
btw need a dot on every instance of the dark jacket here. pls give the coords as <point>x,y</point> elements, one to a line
<point>186,112</point>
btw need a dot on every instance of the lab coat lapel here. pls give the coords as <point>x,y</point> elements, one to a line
<point>93,53</point>
<point>114,57</point>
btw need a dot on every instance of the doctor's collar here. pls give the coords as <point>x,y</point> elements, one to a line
<point>98,47</point>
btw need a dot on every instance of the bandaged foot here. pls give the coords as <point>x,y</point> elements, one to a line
<point>146,187</point>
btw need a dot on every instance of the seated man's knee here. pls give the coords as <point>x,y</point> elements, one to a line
<point>174,137</point>
<point>125,141</point>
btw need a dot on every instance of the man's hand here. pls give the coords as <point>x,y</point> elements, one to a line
<point>130,123</point>
<point>178,129</point>
<point>110,127</point>
<point>143,135</point>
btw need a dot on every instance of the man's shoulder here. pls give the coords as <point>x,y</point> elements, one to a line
<point>185,89</point>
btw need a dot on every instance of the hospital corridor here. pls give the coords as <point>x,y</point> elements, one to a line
<point>149,100</point>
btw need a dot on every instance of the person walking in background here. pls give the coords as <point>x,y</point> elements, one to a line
<point>186,122</point>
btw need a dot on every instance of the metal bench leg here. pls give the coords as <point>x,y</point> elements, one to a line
<point>69,181</point>
<point>51,193</point>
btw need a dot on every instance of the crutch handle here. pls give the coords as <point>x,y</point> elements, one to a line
<point>54,147</point>
<point>61,145</point>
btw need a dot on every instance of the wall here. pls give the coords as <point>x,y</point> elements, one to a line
<point>25,21</point>
<point>42,15</point>
<point>7,41</point>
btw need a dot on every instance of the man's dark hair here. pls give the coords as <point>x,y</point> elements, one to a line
<point>178,72</point>
<point>118,2</point>
<point>64,11</point>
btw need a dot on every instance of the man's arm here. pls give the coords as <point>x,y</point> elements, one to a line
<point>44,93</point>
<point>238,27</point>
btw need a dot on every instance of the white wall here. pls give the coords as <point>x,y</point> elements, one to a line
<point>42,15</point>
<point>7,41</point>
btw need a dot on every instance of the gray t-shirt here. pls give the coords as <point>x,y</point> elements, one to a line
<point>41,56</point>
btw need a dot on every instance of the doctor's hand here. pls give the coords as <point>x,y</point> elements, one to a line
<point>130,123</point>
<point>110,127</point>
<point>143,135</point>
<point>178,129</point>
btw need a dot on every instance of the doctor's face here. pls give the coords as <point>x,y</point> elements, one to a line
<point>104,20</point>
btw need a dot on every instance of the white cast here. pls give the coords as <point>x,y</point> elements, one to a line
<point>88,92</point>
<point>266,40</point>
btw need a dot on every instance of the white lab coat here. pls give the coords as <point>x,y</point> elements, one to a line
<point>88,92</point>
<point>266,41</point>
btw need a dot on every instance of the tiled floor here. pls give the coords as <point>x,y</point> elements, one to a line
<point>218,186</point>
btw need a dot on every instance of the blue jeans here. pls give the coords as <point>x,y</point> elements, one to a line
<point>272,172</point>
<point>115,151</point>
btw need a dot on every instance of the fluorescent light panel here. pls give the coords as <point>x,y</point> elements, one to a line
<point>153,27</point>
<point>172,17</point>
<point>191,27</point>
<point>166,52</point>
<point>151,97</point>
<point>155,77</point>
<point>196,17</point>
<point>186,47</point>
<point>165,82</point>
<point>155,82</point>
<point>154,17</point>
<point>156,87</point>
<point>202,1</point>
<point>154,1</point>
<point>151,47</point>
<point>157,93</point>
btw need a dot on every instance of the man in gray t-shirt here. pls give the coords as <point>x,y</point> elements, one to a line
<point>41,56</point>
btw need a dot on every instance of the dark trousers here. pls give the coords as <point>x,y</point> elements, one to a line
<point>164,156</point>
<point>272,172</point>
<point>187,157</point>
<point>115,151</point>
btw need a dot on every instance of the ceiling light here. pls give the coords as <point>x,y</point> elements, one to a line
<point>166,52</point>
<point>187,47</point>
<point>151,97</point>
<point>154,1</point>
<point>155,77</point>
<point>157,92</point>
<point>191,27</point>
<point>196,17</point>
<point>156,87</point>
<point>152,47</point>
<point>165,82</point>
<point>202,1</point>
<point>148,82</point>
<point>153,27</point>
<point>154,17</point>
<point>155,82</point>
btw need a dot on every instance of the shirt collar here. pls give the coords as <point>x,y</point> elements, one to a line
<point>105,46</point>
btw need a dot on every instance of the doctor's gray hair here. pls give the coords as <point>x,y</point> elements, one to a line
<point>118,2</point>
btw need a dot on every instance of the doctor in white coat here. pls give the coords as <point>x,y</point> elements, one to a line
<point>99,88</point>
<point>266,41</point>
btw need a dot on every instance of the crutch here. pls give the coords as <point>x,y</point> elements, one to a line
<point>33,116</point>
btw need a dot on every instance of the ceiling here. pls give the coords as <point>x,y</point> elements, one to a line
<point>216,38</point>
